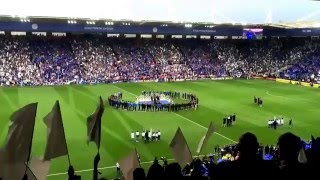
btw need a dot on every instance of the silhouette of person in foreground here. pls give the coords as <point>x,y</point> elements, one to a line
<point>139,174</point>
<point>173,171</point>
<point>156,171</point>
<point>289,148</point>
<point>248,165</point>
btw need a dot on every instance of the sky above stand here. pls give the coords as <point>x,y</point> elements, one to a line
<point>217,11</point>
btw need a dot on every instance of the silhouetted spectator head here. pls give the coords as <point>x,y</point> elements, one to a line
<point>248,146</point>
<point>315,149</point>
<point>196,168</point>
<point>212,170</point>
<point>156,171</point>
<point>139,174</point>
<point>173,170</point>
<point>155,161</point>
<point>187,169</point>
<point>289,146</point>
<point>25,177</point>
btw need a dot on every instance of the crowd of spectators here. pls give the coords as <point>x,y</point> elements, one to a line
<point>290,158</point>
<point>90,59</point>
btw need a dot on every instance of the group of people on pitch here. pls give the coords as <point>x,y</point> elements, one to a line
<point>229,120</point>
<point>146,135</point>
<point>258,101</point>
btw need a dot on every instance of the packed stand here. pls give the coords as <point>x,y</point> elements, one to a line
<point>54,59</point>
<point>308,69</point>
<point>97,61</point>
<point>90,59</point>
<point>135,62</point>
<point>16,67</point>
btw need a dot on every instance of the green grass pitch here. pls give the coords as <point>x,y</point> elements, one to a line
<point>217,99</point>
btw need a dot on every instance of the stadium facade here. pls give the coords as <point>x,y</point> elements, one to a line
<point>236,31</point>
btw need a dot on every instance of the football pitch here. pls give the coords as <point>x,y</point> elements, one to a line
<point>217,99</point>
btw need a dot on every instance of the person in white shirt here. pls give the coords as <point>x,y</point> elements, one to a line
<point>150,136</point>
<point>118,170</point>
<point>132,136</point>
<point>137,136</point>
<point>143,135</point>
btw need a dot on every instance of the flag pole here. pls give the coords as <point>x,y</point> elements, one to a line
<point>99,136</point>
<point>30,146</point>
<point>64,134</point>
<point>100,101</point>
<point>65,140</point>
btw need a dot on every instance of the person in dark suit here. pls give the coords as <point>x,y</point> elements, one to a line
<point>260,102</point>
<point>146,137</point>
<point>234,117</point>
<point>224,122</point>
<point>275,124</point>
<point>290,123</point>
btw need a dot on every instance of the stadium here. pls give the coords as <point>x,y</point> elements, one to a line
<point>159,90</point>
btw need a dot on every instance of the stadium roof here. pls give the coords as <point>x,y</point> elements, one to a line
<point>284,13</point>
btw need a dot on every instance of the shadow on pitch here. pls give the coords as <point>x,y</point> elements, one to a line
<point>64,93</point>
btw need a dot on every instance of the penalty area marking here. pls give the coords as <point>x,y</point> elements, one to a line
<point>289,98</point>
<point>268,93</point>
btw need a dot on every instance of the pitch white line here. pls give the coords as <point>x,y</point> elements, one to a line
<point>289,98</point>
<point>184,118</point>
<point>205,128</point>
<point>268,93</point>
<point>108,167</point>
<point>86,170</point>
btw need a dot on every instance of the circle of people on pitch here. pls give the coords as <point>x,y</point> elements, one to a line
<point>146,136</point>
<point>154,104</point>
